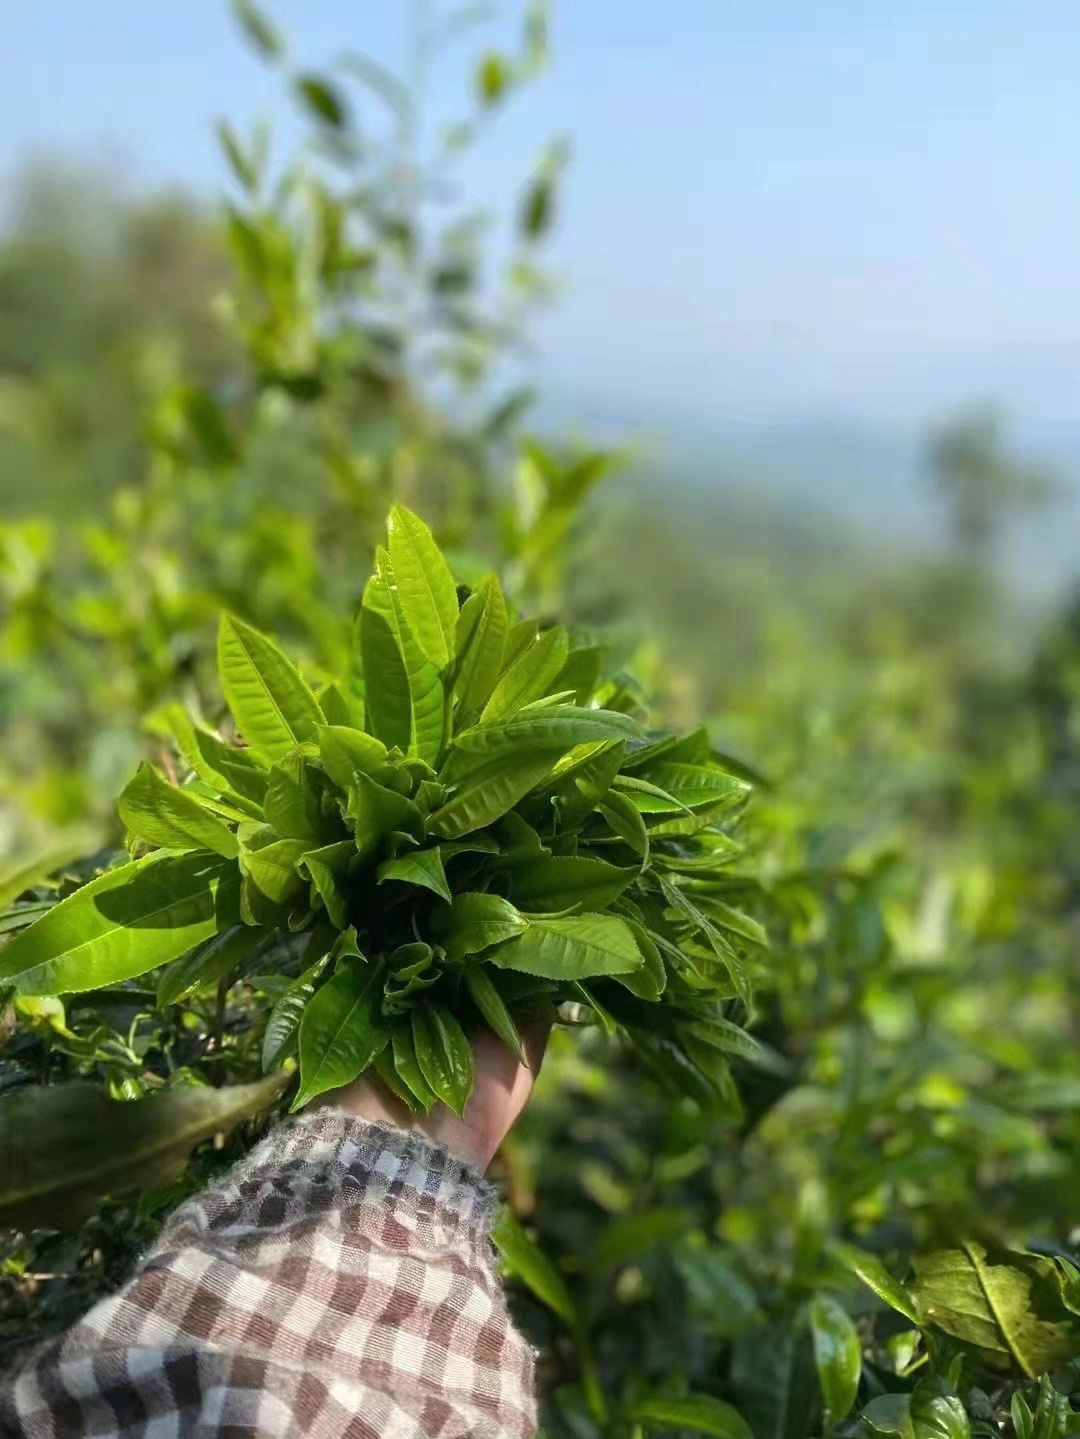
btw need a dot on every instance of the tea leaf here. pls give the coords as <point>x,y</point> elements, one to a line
<point>425,585</point>
<point>575,948</point>
<point>123,923</point>
<point>273,707</point>
<point>479,639</point>
<point>54,1168</point>
<point>837,1354</point>
<point>423,867</point>
<point>700,1413</point>
<point>443,1054</point>
<point>342,1030</point>
<point>163,815</point>
<point>489,1002</point>
<point>529,674</point>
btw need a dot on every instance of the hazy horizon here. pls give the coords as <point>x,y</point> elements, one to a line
<point>784,212</point>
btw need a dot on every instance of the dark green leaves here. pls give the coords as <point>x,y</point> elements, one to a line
<point>55,1167</point>
<point>559,883</point>
<point>479,921</point>
<point>443,1055</point>
<point>700,1413</point>
<point>342,1029</point>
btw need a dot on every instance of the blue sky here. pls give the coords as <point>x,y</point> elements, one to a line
<point>775,209</point>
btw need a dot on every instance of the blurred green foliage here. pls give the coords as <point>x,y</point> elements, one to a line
<point>199,412</point>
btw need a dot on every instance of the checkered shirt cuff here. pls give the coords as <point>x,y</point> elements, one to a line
<point>340,1281</point>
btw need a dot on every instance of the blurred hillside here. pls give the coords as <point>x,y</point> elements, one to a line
<point>108,298</point>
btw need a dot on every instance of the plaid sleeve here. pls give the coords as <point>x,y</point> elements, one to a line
<point>340,1281</point>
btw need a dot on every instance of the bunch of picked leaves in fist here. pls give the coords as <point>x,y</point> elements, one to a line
<point>469,822</point>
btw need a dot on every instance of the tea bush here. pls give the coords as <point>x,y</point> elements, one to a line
<point>827,1186</point>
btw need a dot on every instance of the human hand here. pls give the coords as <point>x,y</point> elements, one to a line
<point>501,1089</point>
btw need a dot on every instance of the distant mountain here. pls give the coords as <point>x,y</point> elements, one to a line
<point>864,479</point>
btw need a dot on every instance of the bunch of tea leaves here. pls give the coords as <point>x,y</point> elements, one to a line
<point>467,824</point>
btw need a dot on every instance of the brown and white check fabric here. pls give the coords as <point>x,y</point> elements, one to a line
<point>340,1281</point>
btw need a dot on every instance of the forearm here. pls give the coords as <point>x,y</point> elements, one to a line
<point>339,1281</point>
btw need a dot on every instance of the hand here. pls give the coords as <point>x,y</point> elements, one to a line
<point>501,1089</point>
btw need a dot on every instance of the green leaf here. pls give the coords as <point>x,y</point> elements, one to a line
<point>273,708</point>
<point>524,1259</point>
<point>244,169</point>
<point>587,782</point>
<point>19,875</point>
<point>328,869</point>
<point>293,802</point>
<point>260,33</point>
<point>686,786</point>
<point>163,815</point>
<point>889,1414</point>
<point>575,948</point>
<point>873,1273</point>
<point>476,922</point>
<point>492,78</point>
<point>625,821</point>
<point>479,642</point>
<point>1004,1303</point>
<point>342,1029</point>
<point>837,1354</point>
<point>489,1002</point>
<point>422,866</point>
<point>529,675</point>
<point>406,1067</point>
<point>376,811</point>
<point>322,100</point>
<point>416,689</point>
<point>207,963</point>
<point>699,1412</point>
<point>347,752</point>
<point>555,727</point>
<point>632,1236</point>
<point>272,866</point>
<point>536,210</point>
<point>937,1414</point>
<point>723,951</point>
<point>387,697</point>
<point>487,792</point>
<point>722,1034</point>
<point>123,923</point>
<point>229,771</point>
<point>425,585</point>
<point>556,883</point>
<point>443,1054</point>
<point>650,981</point>
<point>285,1017</point>
<point>55,1168</point>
